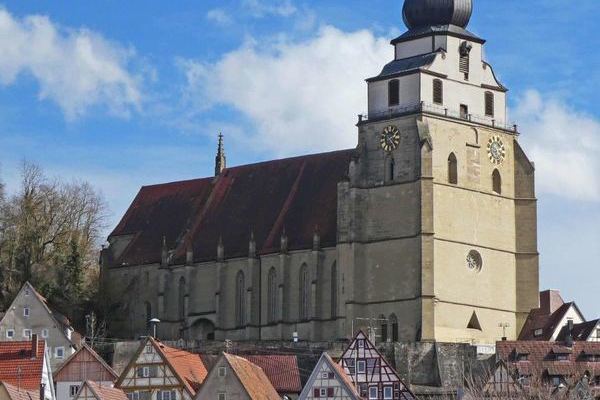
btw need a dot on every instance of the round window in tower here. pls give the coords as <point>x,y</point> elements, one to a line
<point>474,261</point>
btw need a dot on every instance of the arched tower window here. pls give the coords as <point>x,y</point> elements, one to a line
<point>240,301</point>
<point>393,320</point>
<point>452,169</point>
<point>489,104</point>
<point>390,169</point>
<point>496,182</point>
<point>394,92</point>
<point>438,91</point>
<point>334,290</point>
<point>181,300</point>
<point>272,296</point>
<point>304,293</point>
<point>383,328</point>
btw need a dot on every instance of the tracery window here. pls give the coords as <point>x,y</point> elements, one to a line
<point>240,301</point>
<point>334,290</point>
<point>272,296</point>
<point>304,293</point>
<point>181,301</point>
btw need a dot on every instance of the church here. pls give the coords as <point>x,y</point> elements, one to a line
<point>425,231</point>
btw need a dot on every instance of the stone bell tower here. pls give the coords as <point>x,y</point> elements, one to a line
<point>440,225</point>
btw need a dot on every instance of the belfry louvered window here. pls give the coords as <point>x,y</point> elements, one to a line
<point>489,104</point>
<point>438,91</point>
<point>394,92</point>
<point>464,61</point>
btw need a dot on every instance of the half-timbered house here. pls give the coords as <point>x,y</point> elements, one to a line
<point>84,365</point>
<point>234,377</point>
<point>329,381</point>
<point>160,372</point>
<point>372,375</point>
<point>99,391</point>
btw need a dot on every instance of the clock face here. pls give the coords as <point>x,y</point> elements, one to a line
<point>496,150</point>
<point>390,138</point>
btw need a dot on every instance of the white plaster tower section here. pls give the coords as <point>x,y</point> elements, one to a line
<point>439,67</point>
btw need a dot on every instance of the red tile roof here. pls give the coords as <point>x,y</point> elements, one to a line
<point>541,359</point>
<point>252,378</point>
<point>16,393</point>
<point>103,392</point>
<point>282,371</point>
<point>188,366</point>
<point>539,319</point>
<point>580,331</point>
<point>17,367</point>
<point>299,193</point>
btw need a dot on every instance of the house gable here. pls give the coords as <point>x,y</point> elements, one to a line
<point>368,370</point>
<point>85,364</point>
<point>329,379</point>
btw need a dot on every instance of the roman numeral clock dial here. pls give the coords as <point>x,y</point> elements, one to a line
<point>390,138</point>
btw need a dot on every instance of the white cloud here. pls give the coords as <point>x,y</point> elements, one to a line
<point>261,8</point>
<point>77,69</point>
<point>564,144</point>
<point>219,16</point>
<point>299,96</point>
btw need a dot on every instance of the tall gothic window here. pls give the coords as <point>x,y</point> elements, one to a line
<point>148,310</point>
<point>334,290</point>
<point>384,328</point>
<point>391,169</point>
<point>272,296</point>
<point>438,91</point>
<point>489,104</point>
<point>496,182</point>
<point>452,169</point>
<point>240,300</point>
<point>394,92</point>
<point>304,293</point>
<point>181,301</point>
<point>394,327</point>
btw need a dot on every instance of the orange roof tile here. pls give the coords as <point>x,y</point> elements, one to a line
<point>188,366</point>
<point>17,367</point>
<point>14,393</point>
<point>252,378</point>
<point>103,392</point>
<point>282,371</point>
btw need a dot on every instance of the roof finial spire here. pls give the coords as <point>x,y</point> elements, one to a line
<point>220,162</point>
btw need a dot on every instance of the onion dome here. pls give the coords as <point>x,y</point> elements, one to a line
<point>426,13</point>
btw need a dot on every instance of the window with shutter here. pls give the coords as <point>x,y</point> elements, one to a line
<point>489,104</point>
<point>438,91</point>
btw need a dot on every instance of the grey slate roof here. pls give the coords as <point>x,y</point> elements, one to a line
<point>404,65</point>
<point>438,29</point>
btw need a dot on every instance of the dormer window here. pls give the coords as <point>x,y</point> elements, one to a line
<point>394,92</point>
<point>538,332</point>
<point>438,91</point>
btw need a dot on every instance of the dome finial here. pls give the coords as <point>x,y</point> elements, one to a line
<point>426,13</point>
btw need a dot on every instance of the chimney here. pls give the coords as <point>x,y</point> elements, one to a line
<point>189,255</point>
<point>164,252</point>
<point>42,391</point>
<point>34,346</point>
<point>569,338</point>
<point>252,246</point>
<point>550,301</point>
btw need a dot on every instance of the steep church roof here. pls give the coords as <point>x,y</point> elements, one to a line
<point>298,195</point>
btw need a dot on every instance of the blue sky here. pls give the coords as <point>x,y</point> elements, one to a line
<point>124,94</point>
